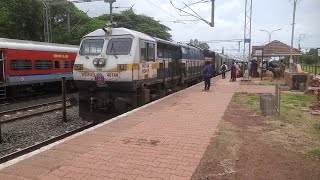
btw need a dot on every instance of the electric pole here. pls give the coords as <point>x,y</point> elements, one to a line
<point>47,22</point>
<point>212,13</point>
<point>68,20</point>
<point>292,34</point>
<point>301,36</point>
<point>247,35</point>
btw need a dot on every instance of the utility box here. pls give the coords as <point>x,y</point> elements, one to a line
<point>267,104</point>
<point>297,81</point>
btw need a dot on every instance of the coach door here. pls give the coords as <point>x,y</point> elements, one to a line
<point>2,71</point>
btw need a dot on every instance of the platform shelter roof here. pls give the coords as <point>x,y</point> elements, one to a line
<point>275,49</point>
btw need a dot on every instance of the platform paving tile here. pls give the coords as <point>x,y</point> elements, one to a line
<point>163,141</point>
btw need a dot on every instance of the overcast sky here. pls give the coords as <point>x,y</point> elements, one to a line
<point>229,20</point>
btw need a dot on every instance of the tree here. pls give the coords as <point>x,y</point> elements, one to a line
<point>21,20</point>
<point>128,19</point>
<point>196,43</point>
<point>80,23</point>
<point>310,57</point>
<point>24,20</point>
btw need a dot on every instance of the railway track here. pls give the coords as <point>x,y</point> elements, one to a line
<point>42,144</point>
<point>30,109</point>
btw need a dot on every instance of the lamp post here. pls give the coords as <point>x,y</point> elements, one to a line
<point>270,32</point>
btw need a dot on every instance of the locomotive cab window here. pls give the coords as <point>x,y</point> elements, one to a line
<point>119,46</point>
<point>43,64</point>
<point>147,51</point>
<point>1,56</point>
<point>91,47</point>
<point>20,65</point>
<point>150,52</point>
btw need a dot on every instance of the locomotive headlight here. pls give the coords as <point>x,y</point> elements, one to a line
<point>102,62</point>
<point>95,62</point>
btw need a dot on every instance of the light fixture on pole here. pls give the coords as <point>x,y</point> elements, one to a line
<point>270,32</point>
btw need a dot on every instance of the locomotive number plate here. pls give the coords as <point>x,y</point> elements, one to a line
<point>113,75</point>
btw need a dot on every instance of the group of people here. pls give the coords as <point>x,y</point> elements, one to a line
<point>234,68</point>
<point>207,73</point>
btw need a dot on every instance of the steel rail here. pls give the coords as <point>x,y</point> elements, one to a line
<point>30,107</point>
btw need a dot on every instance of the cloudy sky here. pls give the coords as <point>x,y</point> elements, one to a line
<point>229,20</point>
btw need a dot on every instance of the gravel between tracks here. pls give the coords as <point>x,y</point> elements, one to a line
<point>21,134</point>
<point>33,101</point>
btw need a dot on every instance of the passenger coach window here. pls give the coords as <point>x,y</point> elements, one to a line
<point>20,65</point>
<point>57,64</point>
<point>43,64</point>
<point>91,47</point>
<point>118,46</point>
<point>66,64</point>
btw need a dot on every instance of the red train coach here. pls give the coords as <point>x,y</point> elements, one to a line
<point>29,65</point>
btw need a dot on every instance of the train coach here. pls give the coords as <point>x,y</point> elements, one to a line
<point>217,59</point>
<point>26,66</point>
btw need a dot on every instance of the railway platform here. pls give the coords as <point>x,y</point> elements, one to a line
<point>165,139</point>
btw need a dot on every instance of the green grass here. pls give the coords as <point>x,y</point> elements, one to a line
<point>291,105</point>
<point>314,152</point>
<point>235,97</point>
<point>253,99</point>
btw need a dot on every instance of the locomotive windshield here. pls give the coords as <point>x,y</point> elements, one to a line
<point>118,46</point>
<point>91,47</point>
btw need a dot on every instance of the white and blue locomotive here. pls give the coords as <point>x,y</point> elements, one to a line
<point>119,69</point>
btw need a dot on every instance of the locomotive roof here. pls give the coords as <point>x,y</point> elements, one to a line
<point>120,31</point>
<point>34,45</point>
<point>166,42</point>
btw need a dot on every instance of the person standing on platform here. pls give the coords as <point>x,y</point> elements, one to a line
<point>224,67</point>
<point>233,72</point>
<point>207,72</point>
<point>250,68</point>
